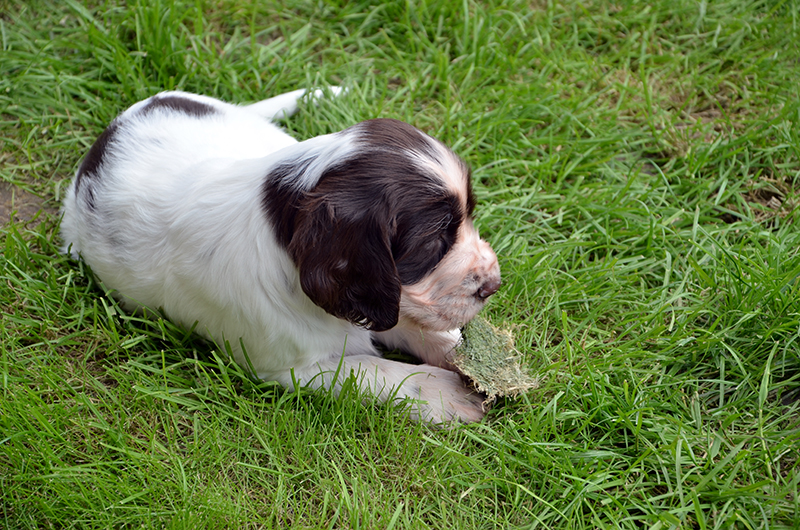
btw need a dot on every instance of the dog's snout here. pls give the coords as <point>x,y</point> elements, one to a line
<point>488,288</point>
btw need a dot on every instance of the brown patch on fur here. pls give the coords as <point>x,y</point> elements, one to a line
<point>187,106</point>
<point>434,156</point>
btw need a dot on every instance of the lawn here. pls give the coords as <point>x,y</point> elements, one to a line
<point>637,168</point>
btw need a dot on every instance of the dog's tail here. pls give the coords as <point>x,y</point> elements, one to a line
<point>284,105</point>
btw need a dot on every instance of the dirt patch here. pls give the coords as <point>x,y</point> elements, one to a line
<point>773,197</point>
<point>22,204</point>
<point>767,198</point>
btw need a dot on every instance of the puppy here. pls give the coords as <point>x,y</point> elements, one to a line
<point>307,254</point>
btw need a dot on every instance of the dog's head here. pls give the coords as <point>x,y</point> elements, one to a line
<point>377,220</point>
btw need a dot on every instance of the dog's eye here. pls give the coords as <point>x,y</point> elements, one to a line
<point>440,248</point>
<point>425,238</point>
<point>420,260</point>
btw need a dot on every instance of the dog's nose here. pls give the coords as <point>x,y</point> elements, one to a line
<point>488,289</point>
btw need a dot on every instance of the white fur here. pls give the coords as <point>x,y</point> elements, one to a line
<point>178,226</point>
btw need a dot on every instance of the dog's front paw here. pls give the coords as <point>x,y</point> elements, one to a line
<point>440,396</point>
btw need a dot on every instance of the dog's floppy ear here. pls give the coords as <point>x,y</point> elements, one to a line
<point>341,245</point>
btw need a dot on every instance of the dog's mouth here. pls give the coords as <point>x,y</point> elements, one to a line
<point>445,313</point>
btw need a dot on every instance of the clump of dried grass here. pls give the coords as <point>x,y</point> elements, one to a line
<point>488,357</point>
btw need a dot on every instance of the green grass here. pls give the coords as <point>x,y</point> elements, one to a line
<point>637,170</point>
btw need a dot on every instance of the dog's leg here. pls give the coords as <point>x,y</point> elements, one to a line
<point>436,395</point>
<point>282,106</point>
<point>432,347</point>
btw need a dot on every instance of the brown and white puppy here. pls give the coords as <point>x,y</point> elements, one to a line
<point>307,253</point>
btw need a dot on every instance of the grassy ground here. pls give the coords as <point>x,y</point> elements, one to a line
<point>637,169</point>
